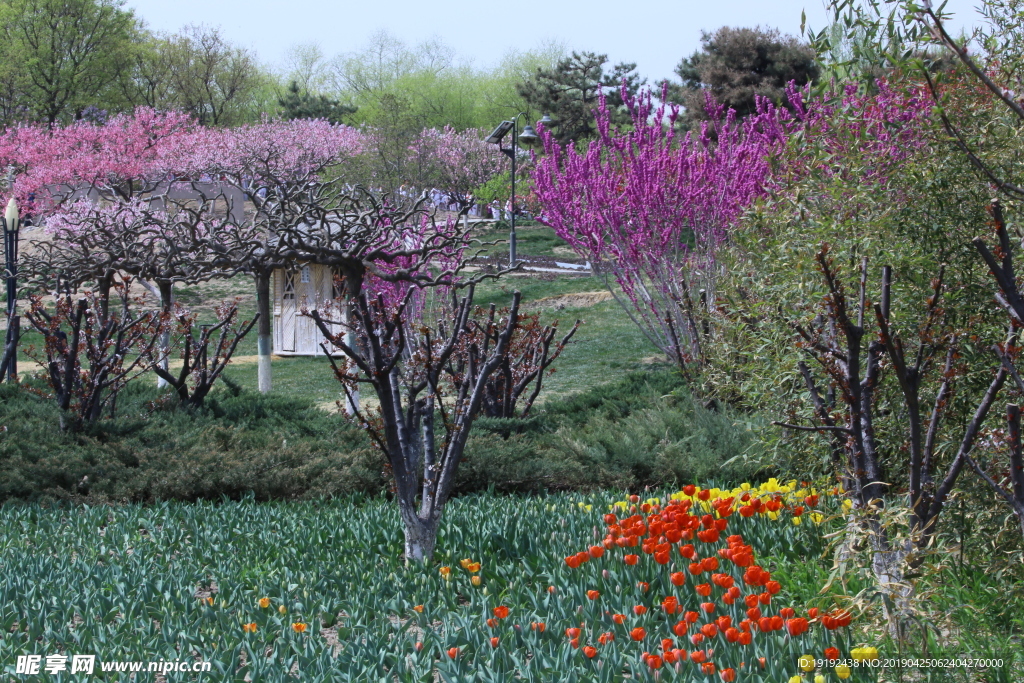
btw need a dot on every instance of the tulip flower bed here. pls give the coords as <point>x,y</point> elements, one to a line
<point>524,588</point>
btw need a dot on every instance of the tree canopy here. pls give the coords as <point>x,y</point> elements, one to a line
<point>571,91</point>
<point>736,65</point>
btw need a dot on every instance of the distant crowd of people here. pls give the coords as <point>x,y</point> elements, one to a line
<point>447,201</point>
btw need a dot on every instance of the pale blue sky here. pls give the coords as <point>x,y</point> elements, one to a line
<point>655,34</point>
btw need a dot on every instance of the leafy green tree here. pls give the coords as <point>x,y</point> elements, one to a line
<point>571,90</point>
<point>218,83</point>
<point>58,56</point>
<point>738,64</point>
<point>301,104</point>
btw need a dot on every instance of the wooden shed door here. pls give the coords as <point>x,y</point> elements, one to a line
<point>288,311</point>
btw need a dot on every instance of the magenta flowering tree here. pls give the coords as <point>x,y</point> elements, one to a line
<point>650,209</point>
<point>455,162</point>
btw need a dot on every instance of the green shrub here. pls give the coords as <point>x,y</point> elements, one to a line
<point>643,430</point>
<point>270,446</point>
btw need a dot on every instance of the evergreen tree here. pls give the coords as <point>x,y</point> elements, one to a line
<point>570,93</point>
<point>298,104</point>
<point>736,64</point>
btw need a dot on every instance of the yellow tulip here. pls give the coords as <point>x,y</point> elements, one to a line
<point>445,571</point>
<point>475,580</point>
<point>795,679</point>
<point>806,663</point>
<point>796,521</point>
<point>819,679</point>
<point>817,517</point>
<point>282,609</point>
<point>843,671</point>
<point>264,603</point>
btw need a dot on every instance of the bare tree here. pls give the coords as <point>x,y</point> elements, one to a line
<point>850,353</point>
<point>386,256</point>
<point>528,356</point>
<point>1009,296</point>
<point>89,359</point>
<point>199,368</point>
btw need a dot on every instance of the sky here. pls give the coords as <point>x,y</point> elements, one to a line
<point>655,34</point>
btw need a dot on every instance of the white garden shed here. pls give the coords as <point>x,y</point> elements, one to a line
<point>304,286</point>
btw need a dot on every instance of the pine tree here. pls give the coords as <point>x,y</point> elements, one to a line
<point>298,104</point>
<point>571,91</point>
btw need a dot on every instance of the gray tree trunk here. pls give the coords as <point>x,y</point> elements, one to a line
<point>264,341</point>
<point>166,290</point>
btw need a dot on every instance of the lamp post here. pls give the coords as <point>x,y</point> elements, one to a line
<point>11,226</point>
<point>528,137</point>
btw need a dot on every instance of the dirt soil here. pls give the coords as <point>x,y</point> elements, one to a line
<point>562,301</point>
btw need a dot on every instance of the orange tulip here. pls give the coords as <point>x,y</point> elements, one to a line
<point>249,628</point>
<point>831,653</point>
<point>638,633</point>
<point>677,578</point>
<point>418,608</point>
<point>709,630</point>
<point>593,595</point>
<point>708,607</point>
<point>572,632</point>
<point>745,638</point>
<point>494,642</point>
<point>680,628</point>
<point>689,489</point>
<point>590,651</point>
<point>631,559</point>
<point>619,618</point>
<point>299,627</point>
<point>703,589</point>
<point>654,661</point>
<point>418,646</point>
<point>643,586</point>
<point>640,610</point>
<point>492,623</point>
<point>596,551</point>
<point>728,675</point>
<point>453,652</point>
